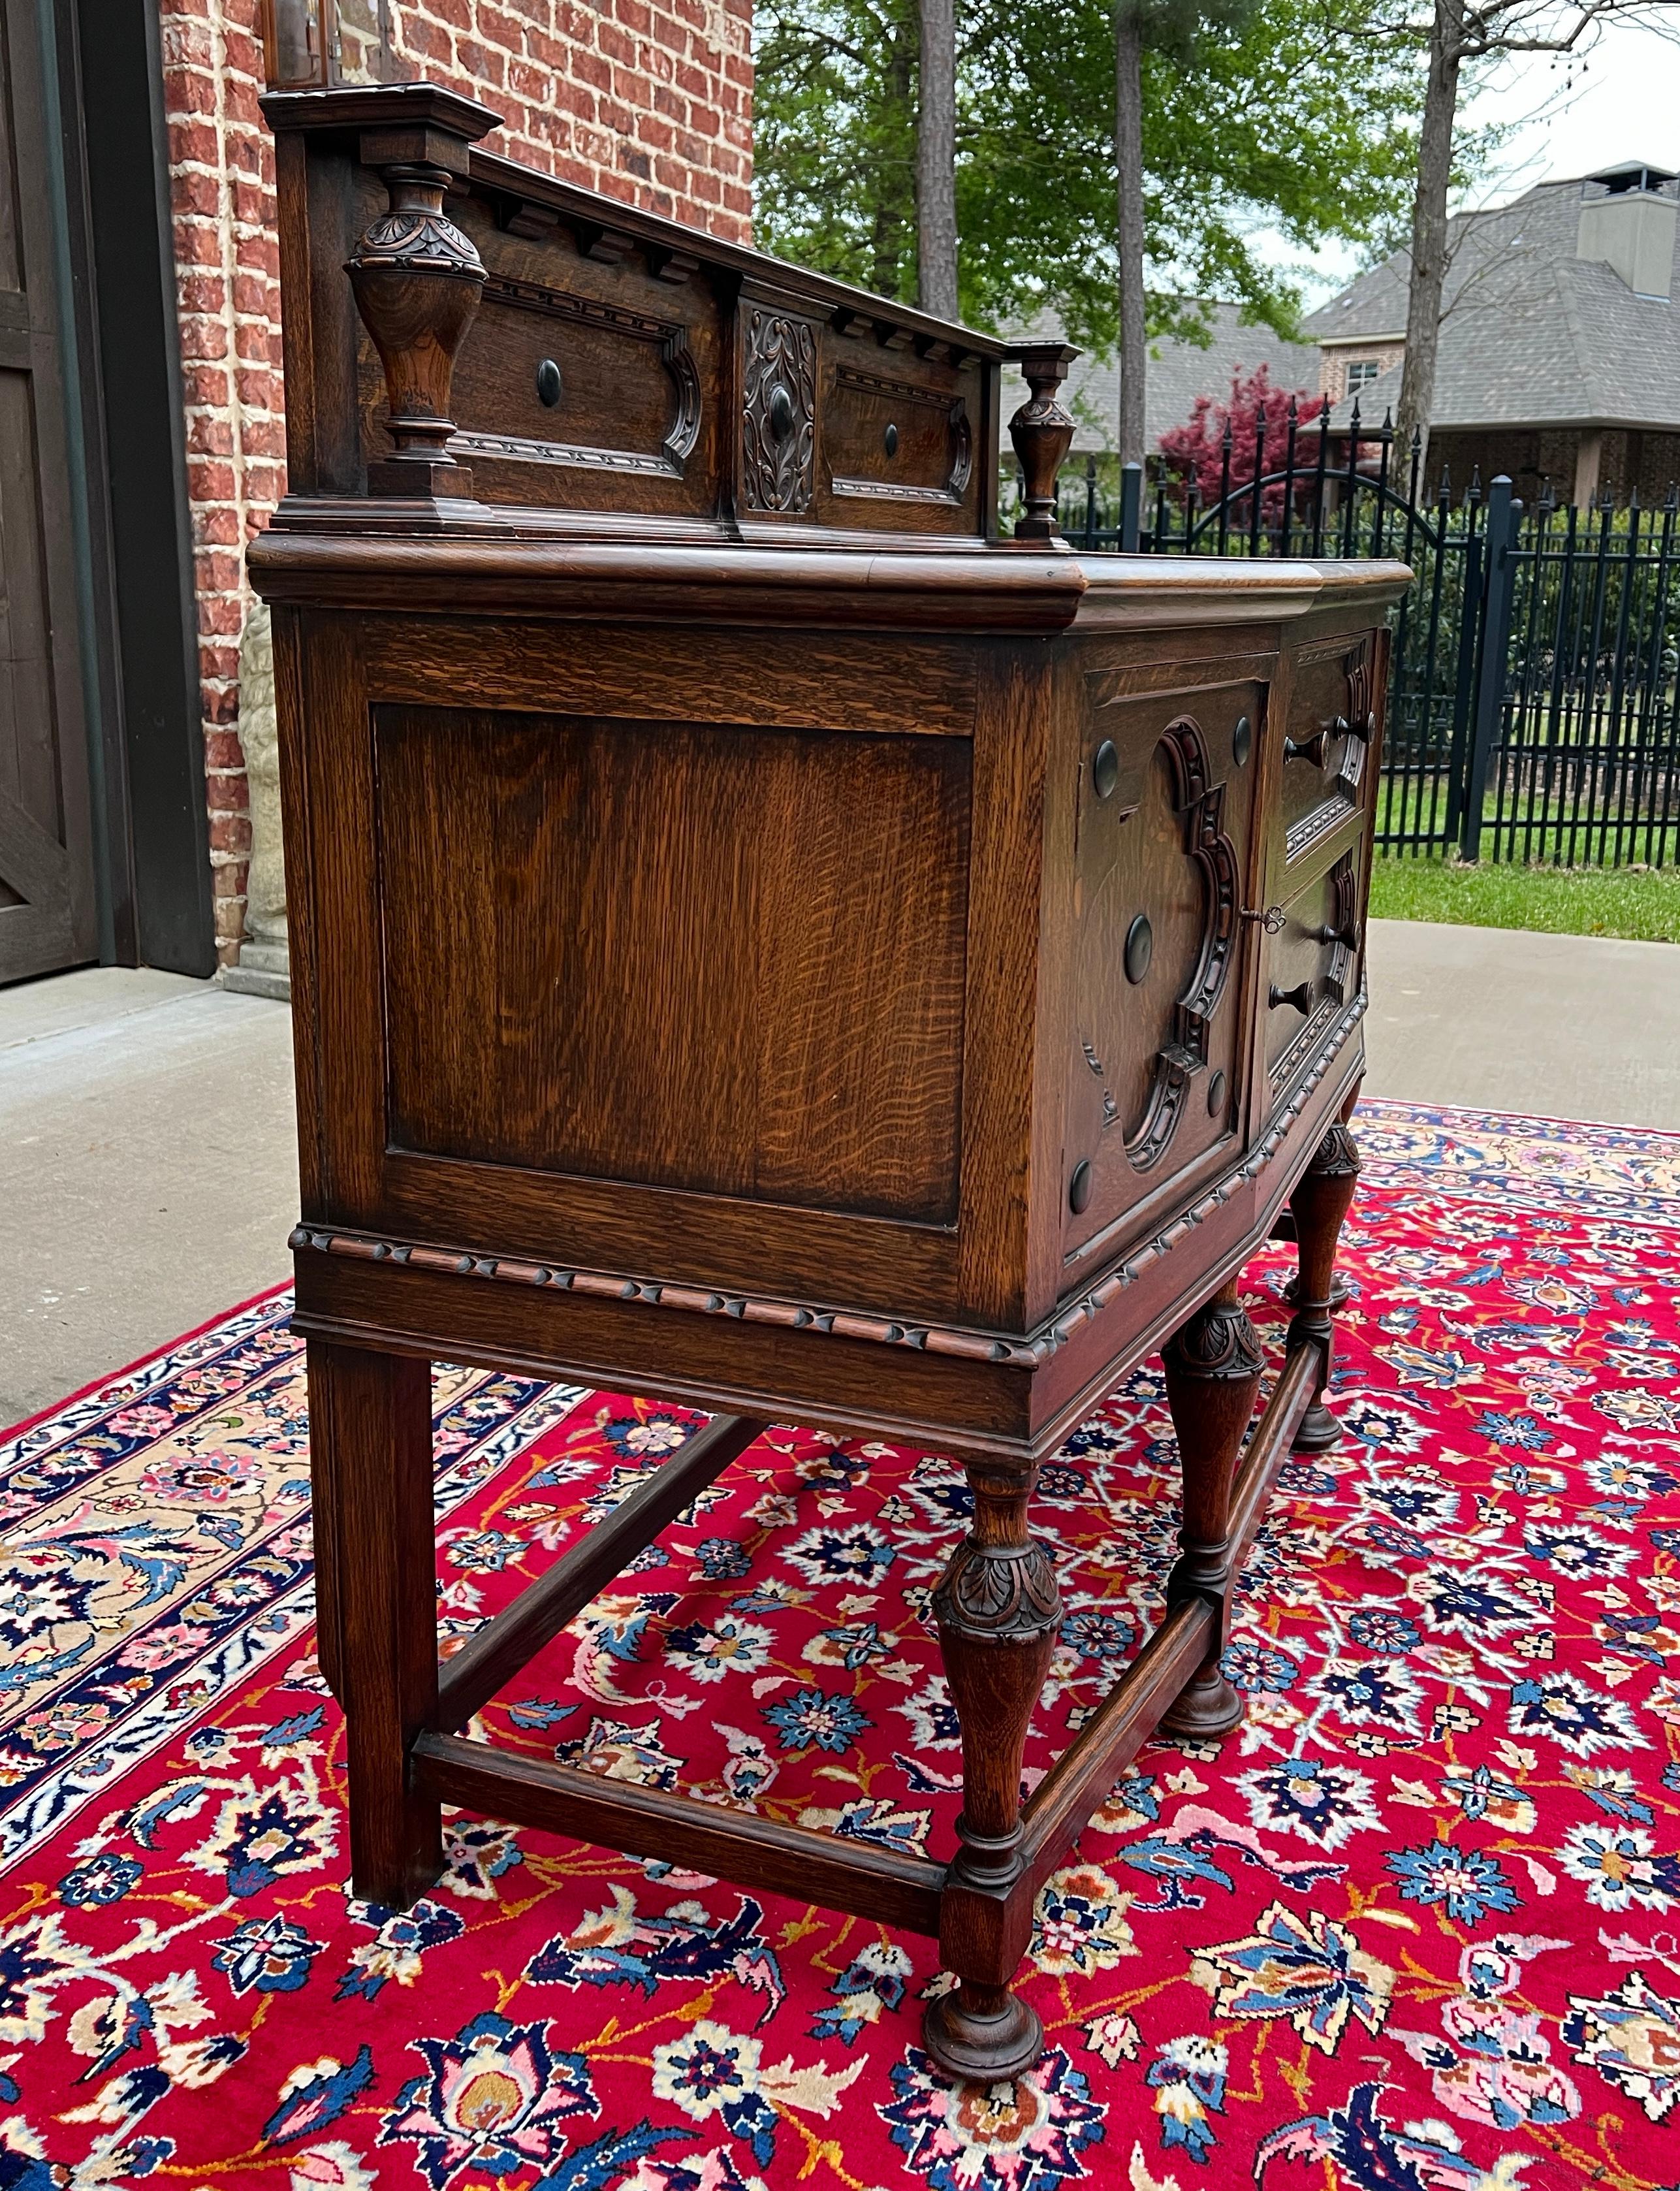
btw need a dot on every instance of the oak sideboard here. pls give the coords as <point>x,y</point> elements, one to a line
<point>760,939</point>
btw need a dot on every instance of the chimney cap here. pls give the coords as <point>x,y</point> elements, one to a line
<point>1627,175</point>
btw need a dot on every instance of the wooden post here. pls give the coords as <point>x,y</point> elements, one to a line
<point>998,1610</point>
<point>1213,1366</point>
<point>1318,1205</point>
<point>371,1460</point>
<point>1042,432</point>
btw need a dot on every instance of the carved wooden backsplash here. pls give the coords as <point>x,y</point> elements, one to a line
<point>616,365</point>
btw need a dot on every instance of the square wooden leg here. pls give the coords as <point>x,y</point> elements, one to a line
<point>370,1459</point>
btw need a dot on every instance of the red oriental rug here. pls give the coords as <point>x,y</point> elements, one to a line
<point>1416,1925</point>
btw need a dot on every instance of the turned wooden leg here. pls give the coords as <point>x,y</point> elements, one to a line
<point>998,1611</point>
<point>1320,1203</point>
<point>1213,1368</point>
<point>371,1457</point>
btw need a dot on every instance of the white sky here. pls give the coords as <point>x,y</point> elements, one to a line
<point>1623,105</point>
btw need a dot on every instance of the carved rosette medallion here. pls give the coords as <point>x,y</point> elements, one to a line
<point>1183,1057</point>
<point>999,1593</point>
<point>779,434</point>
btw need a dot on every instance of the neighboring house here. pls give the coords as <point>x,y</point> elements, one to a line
<point>1178,373</point>
<point>142,434</point>
<point>1559,357</point>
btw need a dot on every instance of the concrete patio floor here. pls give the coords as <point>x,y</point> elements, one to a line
<point>148,1173</point>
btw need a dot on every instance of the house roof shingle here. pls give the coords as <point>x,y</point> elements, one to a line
<point>1531,335</point>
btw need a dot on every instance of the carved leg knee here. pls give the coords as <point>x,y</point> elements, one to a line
<point>1321,1202</point>
<point>1213,1366</point>
<point>998,1611</point>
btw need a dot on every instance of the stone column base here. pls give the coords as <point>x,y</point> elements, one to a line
<point>264,970</point>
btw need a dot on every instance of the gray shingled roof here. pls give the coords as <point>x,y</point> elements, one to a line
<point>1531,335</point>
<point>1178,373</point>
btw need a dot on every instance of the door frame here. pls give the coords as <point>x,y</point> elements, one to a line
<point>127,455</point>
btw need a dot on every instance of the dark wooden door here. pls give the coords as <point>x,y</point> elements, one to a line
<point>48,915</point>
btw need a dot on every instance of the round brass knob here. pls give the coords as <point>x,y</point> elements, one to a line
<point>780,412</point>
<point>1105,769</point>
<point>1080,1185</point>
<point>1215,1094</point>
<point>1242,741</point>
<point>549,385</point>
<point>891,438</point>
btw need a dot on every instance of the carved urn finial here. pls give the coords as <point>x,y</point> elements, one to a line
<point>416,280</point>
<point>1041,431</point>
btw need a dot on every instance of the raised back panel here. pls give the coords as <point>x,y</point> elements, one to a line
<point>606,372</point>
<point>585,382</point>
<point>724,960</point>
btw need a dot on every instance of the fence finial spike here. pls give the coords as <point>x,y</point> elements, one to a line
<point>1673,501</point>
<point>1291,414</point>
<point>1387,428</point>
<point>1225,438</point>
<point>1475,482</point>
<point>1354,419</point>
<point>1417,441</point>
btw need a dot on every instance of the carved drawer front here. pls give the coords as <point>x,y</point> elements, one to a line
<point>1327,741</point>
<point>584,380</point>
<point>1165,811</point>
<point>892,440</point>
<point>558,390</point>
<point>1314,956</point>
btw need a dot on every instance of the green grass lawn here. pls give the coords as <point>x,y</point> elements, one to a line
<point>1637,902</point>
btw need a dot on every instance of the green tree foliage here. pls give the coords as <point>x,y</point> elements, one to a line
<point>1251,119</point>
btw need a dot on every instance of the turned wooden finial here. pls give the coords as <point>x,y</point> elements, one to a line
<point>1041,431</point>
<point>416,277</point>
<point>416,280</point>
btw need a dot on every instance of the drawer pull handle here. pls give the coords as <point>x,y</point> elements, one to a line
<point>1301,997</point>
<point>1272,920</point>
<point>1365,730</point>
<point>1315,748</point>
<point>1347,937</point>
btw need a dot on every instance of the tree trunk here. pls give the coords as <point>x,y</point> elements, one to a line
<point>1128,149</point>
<point>894,215</point>
<point>936,162</point>
<point>1429,228</point>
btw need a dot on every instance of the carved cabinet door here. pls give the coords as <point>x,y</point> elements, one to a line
<point>1164,848</point>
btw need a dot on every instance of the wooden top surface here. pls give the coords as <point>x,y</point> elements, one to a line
<point>998,586</point>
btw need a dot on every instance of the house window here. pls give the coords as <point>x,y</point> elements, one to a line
<point>1361,371</point>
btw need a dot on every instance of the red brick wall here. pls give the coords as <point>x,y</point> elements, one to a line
<point>647,101</point>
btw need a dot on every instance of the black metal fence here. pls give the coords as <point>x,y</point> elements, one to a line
<point>1534,705</point>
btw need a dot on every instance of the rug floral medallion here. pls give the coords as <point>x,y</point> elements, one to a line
<point>1417,1924</point>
